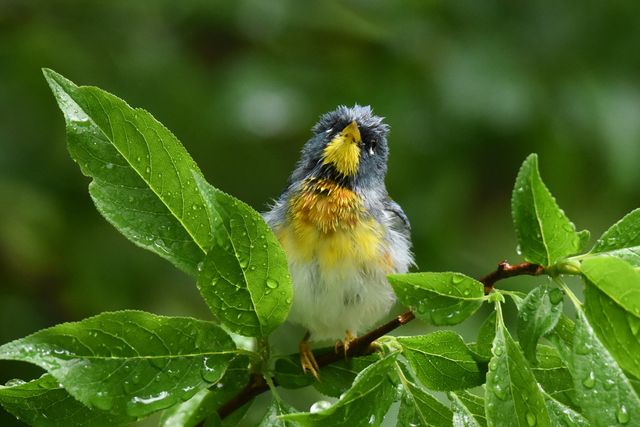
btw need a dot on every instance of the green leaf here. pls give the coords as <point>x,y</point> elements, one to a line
<point>277,409</point>
<point>622,240</point>
<point>442,361</point>
<point>474,405</point>
<point>418,407</point>
<point>545,234</point>
<point>439,298</point>
<point>602,391</point>
<point>537,317</point>
<point>513,396</point>
<point>129,362</point>
<point>142,176</point>
<point>616,278</point>
<point>486,334</point>
<point>44,402</point>
<point>554,376</point>
<point>206,402</point>
<point>364,404</point>
<point>244,278</point>
<point>618,329</point>
<point>462,416</point>
<point>562,415</point>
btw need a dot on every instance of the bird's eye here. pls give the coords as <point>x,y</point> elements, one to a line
<point>371,152</point>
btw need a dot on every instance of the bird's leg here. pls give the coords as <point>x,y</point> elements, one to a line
<point>348,339</point>
<point>307,359</point>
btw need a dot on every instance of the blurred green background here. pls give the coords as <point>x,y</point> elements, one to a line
<point>469,89</point>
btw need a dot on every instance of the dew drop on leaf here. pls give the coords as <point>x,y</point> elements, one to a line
<point>556,296</point>
<point>498,351</point>
<point>319,406</point>
<point>500,392</point>
<point>531,419</point>
<point>622,415</point>
<point>457,279</point>
<point>271,283</point>
<point>590,380</point>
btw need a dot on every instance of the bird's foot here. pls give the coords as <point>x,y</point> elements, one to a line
<point>346,343</point>
<point>308,360</point>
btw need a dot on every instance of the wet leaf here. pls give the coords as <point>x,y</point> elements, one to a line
<point>553,375</point>
<point>129,362</point>
<point>244,278</point>
<point>622,240</point>
<point>486,334</point>
<point>545,234</point>
<point>474,405</point>
<point>462,416</point>
<point>419,408</point>
<point>44,402</point>
<point>442,361</point>
<point>616,328</point>
<point>206,402</point>
<point>562,415</point>
<point>142,176</point>
<point>602,391</point>
<point>513,396</point>
<point>539,314</point>
<point>616,278</point>
<point>439,298</point>
<point>272,417</point>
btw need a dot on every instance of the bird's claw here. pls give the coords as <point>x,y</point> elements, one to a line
<point>308,361</point>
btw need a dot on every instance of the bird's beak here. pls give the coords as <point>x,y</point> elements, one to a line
<point>352,133</point>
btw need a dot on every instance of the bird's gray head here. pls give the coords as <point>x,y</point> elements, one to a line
<point>349,146</point>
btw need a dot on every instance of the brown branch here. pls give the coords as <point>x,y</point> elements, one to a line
<point>362,345</point>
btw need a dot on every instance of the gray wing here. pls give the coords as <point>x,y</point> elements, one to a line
<point>399,221</point>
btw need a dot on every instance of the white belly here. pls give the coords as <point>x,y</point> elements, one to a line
<point>329,304</point>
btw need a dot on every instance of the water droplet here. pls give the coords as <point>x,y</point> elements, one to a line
<point>465,292</point>
<point>372,419</point>
<point>194,207</point>
<point>271,283</point>
<point>210,371</point>
<point>457,279</point>
<point>14,382</point>
<point>102,401</point>
<point>531,419</point>
<point>493,365</point>
<point>590,380</point>
<point>609,383</point>
<point>519,250</point>
<point>109,166</point>
<point>199,266</point>
<point>622,415</point>
<point>138,159</point>
<point>498,351</point>
<point>499,392</point>
<point>244,262</point>
<point>251,246</point>
<point>252,268</point>
<point>319,406</point>
<point>288,300</point>
<point>556,296</point>
<point>634,324</point>
<point>139,405</point>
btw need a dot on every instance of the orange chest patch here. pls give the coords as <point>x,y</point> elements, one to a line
<point>328,223</point>
<point>327,206</point>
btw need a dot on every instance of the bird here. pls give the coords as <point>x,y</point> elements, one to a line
<point>341,232</point>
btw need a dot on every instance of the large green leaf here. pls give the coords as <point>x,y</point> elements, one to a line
<point>545,234</point>
<point>539,314</point>
<point>142,176</point>
<point>616,278</point>
<point>244,278</point>
<point>618,329</point>
<point>513,396</point>
<point>364,404</point>
<point>553,375</point>
<point>205,403</point>
<point>622,240</point>
<point>442,361</point>
<point>602,390</point>
<point>418,407</point>
<point>44,402</point>
<point>439,298</point>
<point>129,362</point>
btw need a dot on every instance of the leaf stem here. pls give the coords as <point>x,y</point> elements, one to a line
<point>574,299</point>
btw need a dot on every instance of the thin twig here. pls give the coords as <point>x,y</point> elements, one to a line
<point>362,345</point>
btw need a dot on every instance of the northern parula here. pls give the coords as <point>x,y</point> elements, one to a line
<point>341,232</point>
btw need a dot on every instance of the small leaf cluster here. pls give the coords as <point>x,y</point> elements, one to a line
<point>120,367</point>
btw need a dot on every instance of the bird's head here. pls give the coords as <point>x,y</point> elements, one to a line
<point>349,146</point>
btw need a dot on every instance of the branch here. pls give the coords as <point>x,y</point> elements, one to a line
<point>362,345</point>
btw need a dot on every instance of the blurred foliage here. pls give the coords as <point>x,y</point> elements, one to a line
<point>469,89</point>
